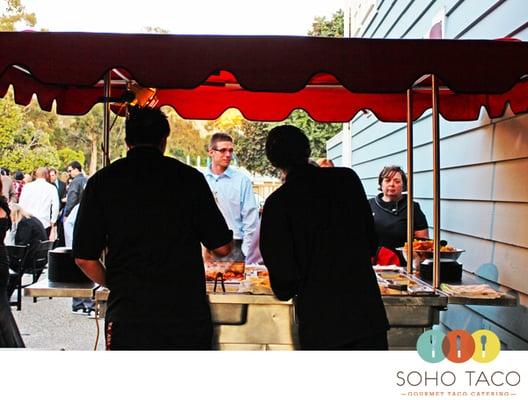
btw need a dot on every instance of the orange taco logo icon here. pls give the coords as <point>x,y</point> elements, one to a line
<point>458,346</point>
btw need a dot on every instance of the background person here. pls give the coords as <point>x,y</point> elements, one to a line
<point>154,267</point>
<point>7,181</point>
<point>76,186</point>
<point>40,199</point>
<point>325,163</point>
<point>17,186</point>
<point>233,192</point>
<point>317,238</point>
<point>26,230</point>
<point>389,209</point>
<point>80,305</point>
<point>9,333</point>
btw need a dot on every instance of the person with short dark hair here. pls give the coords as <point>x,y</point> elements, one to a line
<point>74,192</point>
<point>76,186</point>
<point>153,267</point>
<point>389,209</point>
<point>233,191</point>
<point>17,186</point>
<point>317,238</point>
<point>7,189</point>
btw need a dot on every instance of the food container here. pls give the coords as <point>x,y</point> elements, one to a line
<point>225,270</point>
<point>425,252</point>
<point>62,267</point>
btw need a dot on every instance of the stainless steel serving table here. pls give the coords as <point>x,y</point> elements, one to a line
<point>262,322</point>
<point>46,288</point>
<point>243,321</point>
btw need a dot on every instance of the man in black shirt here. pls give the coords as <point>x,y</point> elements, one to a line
<point>154,267</point>
<point>317,237</point>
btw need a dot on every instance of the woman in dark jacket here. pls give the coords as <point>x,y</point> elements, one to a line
<point>27,230</point>
<point>9,333</point>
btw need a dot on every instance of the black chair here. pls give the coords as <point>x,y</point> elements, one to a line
<point>17,258</point>
<point>40,260</point>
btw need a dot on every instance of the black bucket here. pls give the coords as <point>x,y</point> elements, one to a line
<point>62,267</point>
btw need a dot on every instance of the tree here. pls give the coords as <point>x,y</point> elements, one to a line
<point>185,139</point>
<point>329,28</point>
<point>67,155</point>
<point>13,12</point>
<point>24,136</point>
<point>84,133</point>
<point>250,148</point>
<point>318,133</point>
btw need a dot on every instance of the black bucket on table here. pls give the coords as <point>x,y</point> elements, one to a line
<point>62,267</point>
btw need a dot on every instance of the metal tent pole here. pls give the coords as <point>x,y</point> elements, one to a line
<point>410,162</point>
<point>106,118</point>
<point>436,182</point>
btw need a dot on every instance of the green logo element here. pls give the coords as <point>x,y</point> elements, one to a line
<point>458,346</point>
<point>429,346</point>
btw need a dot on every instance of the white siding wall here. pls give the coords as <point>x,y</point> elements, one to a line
<point>484,163</point>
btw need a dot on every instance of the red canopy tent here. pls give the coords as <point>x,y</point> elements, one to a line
<point>268,77</point>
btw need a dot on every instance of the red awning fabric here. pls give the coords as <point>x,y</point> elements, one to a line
<point>267,77</point>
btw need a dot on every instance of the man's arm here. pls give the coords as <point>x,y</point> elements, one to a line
<point>210,224</point>
<point>223,251</point>
<point>55,206</point>
<point>93,269</point>
<point>73,196</point>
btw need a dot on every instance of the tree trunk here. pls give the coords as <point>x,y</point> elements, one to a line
<point>93,157</point>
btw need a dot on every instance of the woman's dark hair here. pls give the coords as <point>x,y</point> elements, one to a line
<point>389,171</point>
<point>146,126</point>
<point>287,146</point>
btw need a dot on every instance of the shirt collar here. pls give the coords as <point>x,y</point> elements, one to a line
<point>228,172</point>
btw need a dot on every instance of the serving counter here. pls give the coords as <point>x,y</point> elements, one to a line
<point>261,322</point>
<point>245,321</point>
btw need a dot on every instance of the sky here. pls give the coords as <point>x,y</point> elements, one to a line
<point>224,17</point>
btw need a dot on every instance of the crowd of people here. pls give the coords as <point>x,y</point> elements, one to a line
<point>34,206</point>
<point>155,247</point>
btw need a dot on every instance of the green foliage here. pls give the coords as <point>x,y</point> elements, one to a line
<point>185,139</point>
<point>67,155</point>
<point>250,148</point>
<point>24,137</point>
<point>329,28</point>
<point>317,132</point>
<point>22,158</point>
<point>10,122</point>
<point>13,12</point>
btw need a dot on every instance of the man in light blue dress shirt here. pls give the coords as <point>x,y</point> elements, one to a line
<point>233,192</point>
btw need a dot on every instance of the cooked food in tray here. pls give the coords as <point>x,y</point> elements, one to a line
<point>424,249</point>
<point>227,270</point>
<point>428,245</point>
